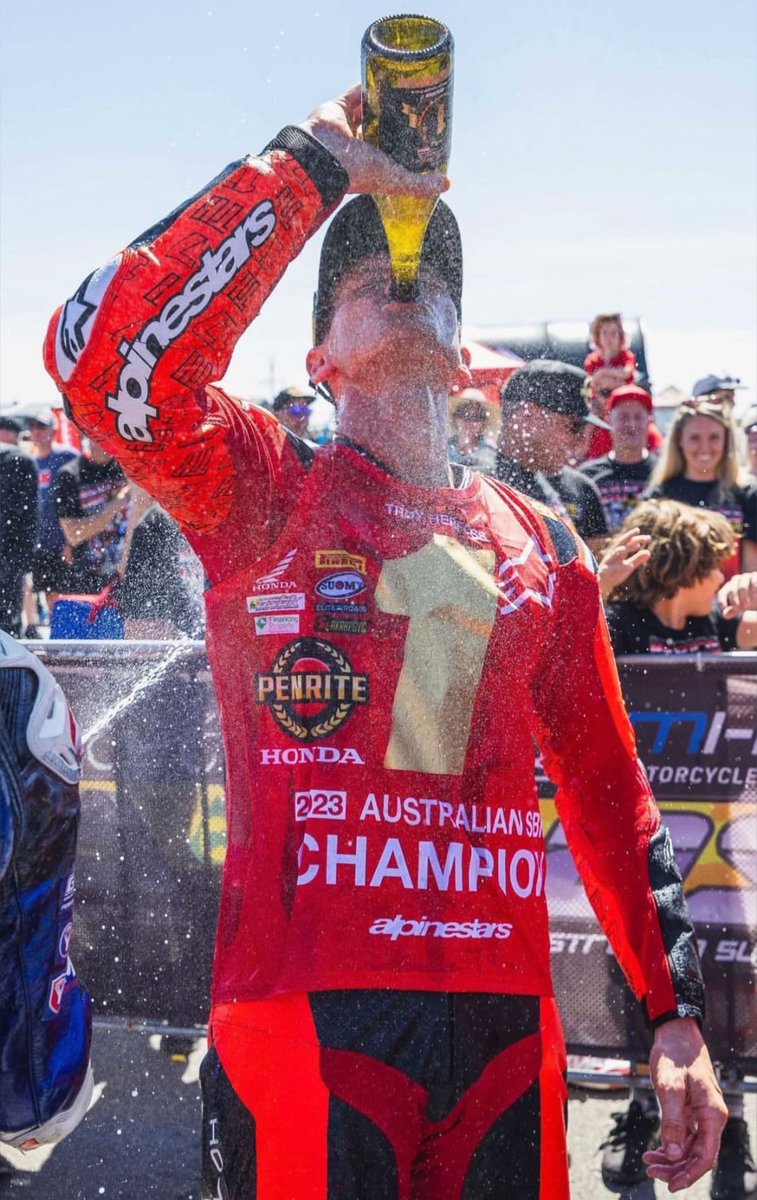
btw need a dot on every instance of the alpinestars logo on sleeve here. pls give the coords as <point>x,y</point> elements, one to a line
<point>132,400</point>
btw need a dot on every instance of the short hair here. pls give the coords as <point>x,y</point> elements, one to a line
<point>686,545</point>
<point>671,461</point>
<point>607,319</point>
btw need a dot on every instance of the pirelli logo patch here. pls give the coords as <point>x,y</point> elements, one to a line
<point>311,689</point>
<point>340,560</point>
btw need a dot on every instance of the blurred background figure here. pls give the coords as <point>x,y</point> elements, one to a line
<point>91,496</point>
<point>18,522</point>
<point>545,411</point>
<point>10,429</point>
<point>469,444</point>
<point>49,567</point>
<point>160,593</point>
<point>719,389</point>
<point>622,475</point>
<point>292,409</point>
<point>611,364</point>
<point>699,465</point>
<point>749,427</point>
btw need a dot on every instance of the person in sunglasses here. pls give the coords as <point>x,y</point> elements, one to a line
<point>292,410</point>
<point>545,420</point>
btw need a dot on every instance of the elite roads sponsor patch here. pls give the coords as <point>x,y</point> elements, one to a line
<point>311,689</point>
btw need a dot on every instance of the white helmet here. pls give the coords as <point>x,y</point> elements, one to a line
<point>52,733</point>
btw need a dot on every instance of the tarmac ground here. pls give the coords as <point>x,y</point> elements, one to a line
<point>141,1138</point>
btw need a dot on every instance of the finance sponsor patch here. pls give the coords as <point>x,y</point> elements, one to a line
<point>273,623</point>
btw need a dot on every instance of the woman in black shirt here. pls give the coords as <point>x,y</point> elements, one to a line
<point>699,465</point>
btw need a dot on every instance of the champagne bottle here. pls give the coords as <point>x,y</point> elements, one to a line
<point>407,113</point>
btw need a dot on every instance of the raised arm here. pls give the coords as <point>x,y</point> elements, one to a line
<point>625,857</point>
<point>137,348</point>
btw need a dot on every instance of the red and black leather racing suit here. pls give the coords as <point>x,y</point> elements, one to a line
<point>385,656</point>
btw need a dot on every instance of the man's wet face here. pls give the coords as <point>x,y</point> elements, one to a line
<point>368,324</point>
<point>547,440</point>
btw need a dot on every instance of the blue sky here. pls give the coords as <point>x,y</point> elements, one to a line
<point>603,157</point>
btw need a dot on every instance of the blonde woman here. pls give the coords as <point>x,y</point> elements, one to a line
<point>699,465</point>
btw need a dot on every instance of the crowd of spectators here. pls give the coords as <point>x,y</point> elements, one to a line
<point>583,442</point>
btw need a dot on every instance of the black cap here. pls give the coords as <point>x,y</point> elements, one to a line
<point>11,424</point>
<point>356,232</point>
<point>554,386</point>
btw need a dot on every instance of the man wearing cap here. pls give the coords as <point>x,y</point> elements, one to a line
<point>545,415</point>
<point>18,522</point>
<point>388,633</point>
<point>622,475</point>
<point>468,444</point>
<point>719,389</point>
<point>749,427</point>
<point>292,409</point>
<point>49,565</point>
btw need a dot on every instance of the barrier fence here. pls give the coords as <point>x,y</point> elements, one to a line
<point>152,839</point>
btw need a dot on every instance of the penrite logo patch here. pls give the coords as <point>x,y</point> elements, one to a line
<point>340,560</point>
<point>311,689</point>
<point>341,585</point>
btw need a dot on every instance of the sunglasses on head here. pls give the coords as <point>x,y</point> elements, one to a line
<point>704,406</point>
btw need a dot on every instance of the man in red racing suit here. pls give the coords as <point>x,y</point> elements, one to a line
<point>388,639</point>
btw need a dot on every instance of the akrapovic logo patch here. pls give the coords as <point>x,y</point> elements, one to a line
<point>219,267</point>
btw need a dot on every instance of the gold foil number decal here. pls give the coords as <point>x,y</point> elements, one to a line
<point>450,595</point>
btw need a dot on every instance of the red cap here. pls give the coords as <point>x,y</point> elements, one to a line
<point>630,391</point>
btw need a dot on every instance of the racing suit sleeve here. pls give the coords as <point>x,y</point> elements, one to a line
<point>137,348</point>
<point>610,817</point>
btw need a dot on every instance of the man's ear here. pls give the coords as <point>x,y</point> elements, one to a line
<point>319,366</point>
